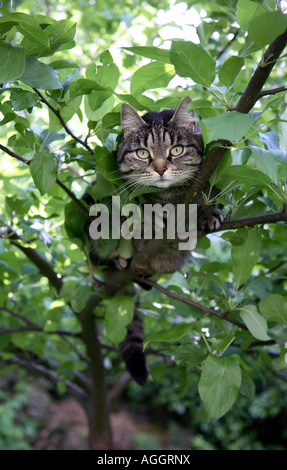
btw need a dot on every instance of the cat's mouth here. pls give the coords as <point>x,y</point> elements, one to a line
<point>165,181</point>
<point>162,183</point>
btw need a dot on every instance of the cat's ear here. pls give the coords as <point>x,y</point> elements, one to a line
<point>182,117</point>
<point>130,120</point>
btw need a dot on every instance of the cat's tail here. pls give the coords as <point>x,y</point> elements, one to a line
<point>132,349</point>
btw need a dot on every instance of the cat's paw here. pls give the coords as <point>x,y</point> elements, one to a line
<point>209,219</point>
<point>121,263</point>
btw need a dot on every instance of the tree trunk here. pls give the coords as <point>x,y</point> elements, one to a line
<point>97,411</point>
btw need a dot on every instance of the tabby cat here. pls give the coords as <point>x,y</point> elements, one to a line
<point>162,150</point>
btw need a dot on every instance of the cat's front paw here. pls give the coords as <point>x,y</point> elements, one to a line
<point>121,263</point>
<point>209,219</point>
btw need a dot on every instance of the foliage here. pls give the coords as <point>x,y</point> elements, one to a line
<point>17,430</point>
<point>223,319</point>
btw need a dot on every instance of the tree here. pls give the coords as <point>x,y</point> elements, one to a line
<point>225,320</point>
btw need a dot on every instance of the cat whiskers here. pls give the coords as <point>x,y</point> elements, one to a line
<point>132,183</point>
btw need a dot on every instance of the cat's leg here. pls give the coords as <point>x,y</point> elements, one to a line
<point>208,218</point>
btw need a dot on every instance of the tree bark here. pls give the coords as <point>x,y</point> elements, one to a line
<point>100,436</point>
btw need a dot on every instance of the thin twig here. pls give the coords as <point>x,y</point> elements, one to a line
<point>273,91</point>
<point>17,315</point>
<point>22,329</point>
<point>67,129</point>
<point>38,260</point>
<point>202,308</point>
<point>272,217</point>
<point>221,52</point>
<point>72,196</point>
<point>33,367</point>
<point>57,181</point>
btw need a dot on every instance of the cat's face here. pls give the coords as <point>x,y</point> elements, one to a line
<point>159,149</point>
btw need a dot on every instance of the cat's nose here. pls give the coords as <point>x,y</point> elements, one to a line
<point>160,170</point>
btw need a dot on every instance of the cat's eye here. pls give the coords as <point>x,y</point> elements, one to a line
<point>176,150</point>
<point>142,153</point>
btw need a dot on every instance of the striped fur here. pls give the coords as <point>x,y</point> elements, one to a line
<point>132,349</point>
<point>162,150</point>
<point>157,133</point>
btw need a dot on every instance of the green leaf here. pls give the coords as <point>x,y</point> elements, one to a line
<point>265,161</point>
<point>255,322</point>
<point>219,385</point>
<point>19,205</point>
<point>75,221</point>
<point>170,335</point>
<point>190,354</point>
<point>119,314</point>
<point>158,371</point>
<point>274,308</point>
<point>27,25</point>
<point>247,388</point>
<point>80,297</point>
<point>191,60</point>
<point>246,10</point>
<point>60,33</point>
<point>111,120</point>
<point>95,100</point>
<point>12,59</point>
<point>106,58</point>
<point>44,171</point>
<point>63,64</point>
<point>66,369</point>
<point>154,53</point>
<point>68,288</point>
<point>229,126</point>
<point>38,75</point>
<point>141,103</point>
<point>150,76</point>
<point>105,74</point>
<point>23,99</point>
<point>85,86</point>
<point>6,25</point>
<point>230,69</point>
<point>245,256</point>
<point>125,248</point>
<point>265,28</point>
<point>245,175</point>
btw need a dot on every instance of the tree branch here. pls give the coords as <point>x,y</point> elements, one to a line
<point>22,329</point>
<point>202,308</point>
<point>224,49</point>
<point>38,260</point>
<point>67,129</point>
<point>57,181</point>
<point>244,105</point>
<point>207,310</point>
<point>272,91</point>
<point>73,197</point>
<point>251,221</point>
<point>33,367</point>
<point>118,388</point>
<point>261,74</point>
<point>17,315</point>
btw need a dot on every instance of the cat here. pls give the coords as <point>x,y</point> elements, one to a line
<point>164,150</point>
<point>159,150</point>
